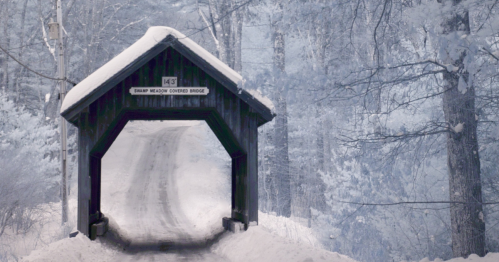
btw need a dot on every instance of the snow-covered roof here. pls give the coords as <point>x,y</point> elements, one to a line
<point>152,38</point>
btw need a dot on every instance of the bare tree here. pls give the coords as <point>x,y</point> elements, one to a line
<point>225,23</point>
<point>463,162</point>
<point>5,23</point>
<point>280,175</point>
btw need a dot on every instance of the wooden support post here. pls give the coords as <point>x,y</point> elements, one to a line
<point>95,184</point>
<point>84,146</point>
<point>239,189</point>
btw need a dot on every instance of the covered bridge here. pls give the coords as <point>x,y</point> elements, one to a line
<point>165,76</point>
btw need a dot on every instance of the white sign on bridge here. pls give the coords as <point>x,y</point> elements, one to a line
<point>179,91</point>
<point>169,87</point>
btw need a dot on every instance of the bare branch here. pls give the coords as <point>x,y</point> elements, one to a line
<point>415,202</point>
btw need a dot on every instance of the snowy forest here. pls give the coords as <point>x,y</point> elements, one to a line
<point>384,142</point>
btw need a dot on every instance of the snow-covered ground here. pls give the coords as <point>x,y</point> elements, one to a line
<point>166,187</point>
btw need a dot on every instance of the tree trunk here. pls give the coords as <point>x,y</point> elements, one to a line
<point>237,24</point>
<point>217,11</point>
<point>468,227</point>
<point>5,66</point>
<point>51,107</point>
<point>320,138</point>
<point>327,143</point>
<point>467,223</point>
<point>318,187</point>
<point>20,72</point>
<point>281,169</point>
<point>265,187</point>
<point>226,25</point>
<point>226,33</point>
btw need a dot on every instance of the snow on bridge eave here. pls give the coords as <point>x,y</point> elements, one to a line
<point>83,94</point>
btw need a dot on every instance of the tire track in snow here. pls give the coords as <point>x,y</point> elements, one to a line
<point>151,199</point>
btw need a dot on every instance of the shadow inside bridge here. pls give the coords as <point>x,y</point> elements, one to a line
<point>115,238</point>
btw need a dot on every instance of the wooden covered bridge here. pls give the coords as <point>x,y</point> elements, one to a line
<point>165,76</point>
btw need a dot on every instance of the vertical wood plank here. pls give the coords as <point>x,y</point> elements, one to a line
<point>244,179</point>
<point>227,105</point>
<point>134,81</point>
<point>170,72</point>
<point>235,116</point>
<point>177,71</point>
<point>201,77</point>
<point>127,99</point>
<point>253,170</point>
<point>117,98</point>
<point>152,80</point>
<point>169,62</point>
<point>212,95</point>
<point>110,104</point>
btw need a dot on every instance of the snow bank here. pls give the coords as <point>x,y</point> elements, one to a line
<point>47,230</point>
<point>151,38</point>
<point>258,244</point>
<point>79,248</point>
<point>287,228</point>
<point>490,257</point>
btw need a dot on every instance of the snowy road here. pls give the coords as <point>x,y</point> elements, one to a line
<point>152,205</point>
<point>140,191</point>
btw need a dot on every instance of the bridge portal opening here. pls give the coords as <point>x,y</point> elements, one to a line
<point>166,76</point>
<point>166,181</point>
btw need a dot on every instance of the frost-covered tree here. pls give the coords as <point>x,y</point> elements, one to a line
<point>29,173</point>
<point>280,173</point>
<point>422,52</point>
<point>463,162</point>
<point>223,19</point>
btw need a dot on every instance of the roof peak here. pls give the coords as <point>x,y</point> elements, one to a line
<point>151,39</point>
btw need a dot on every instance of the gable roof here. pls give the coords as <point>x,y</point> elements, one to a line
<point>155,40</point>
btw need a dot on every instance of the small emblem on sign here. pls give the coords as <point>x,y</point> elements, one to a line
<point>169,81</point>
